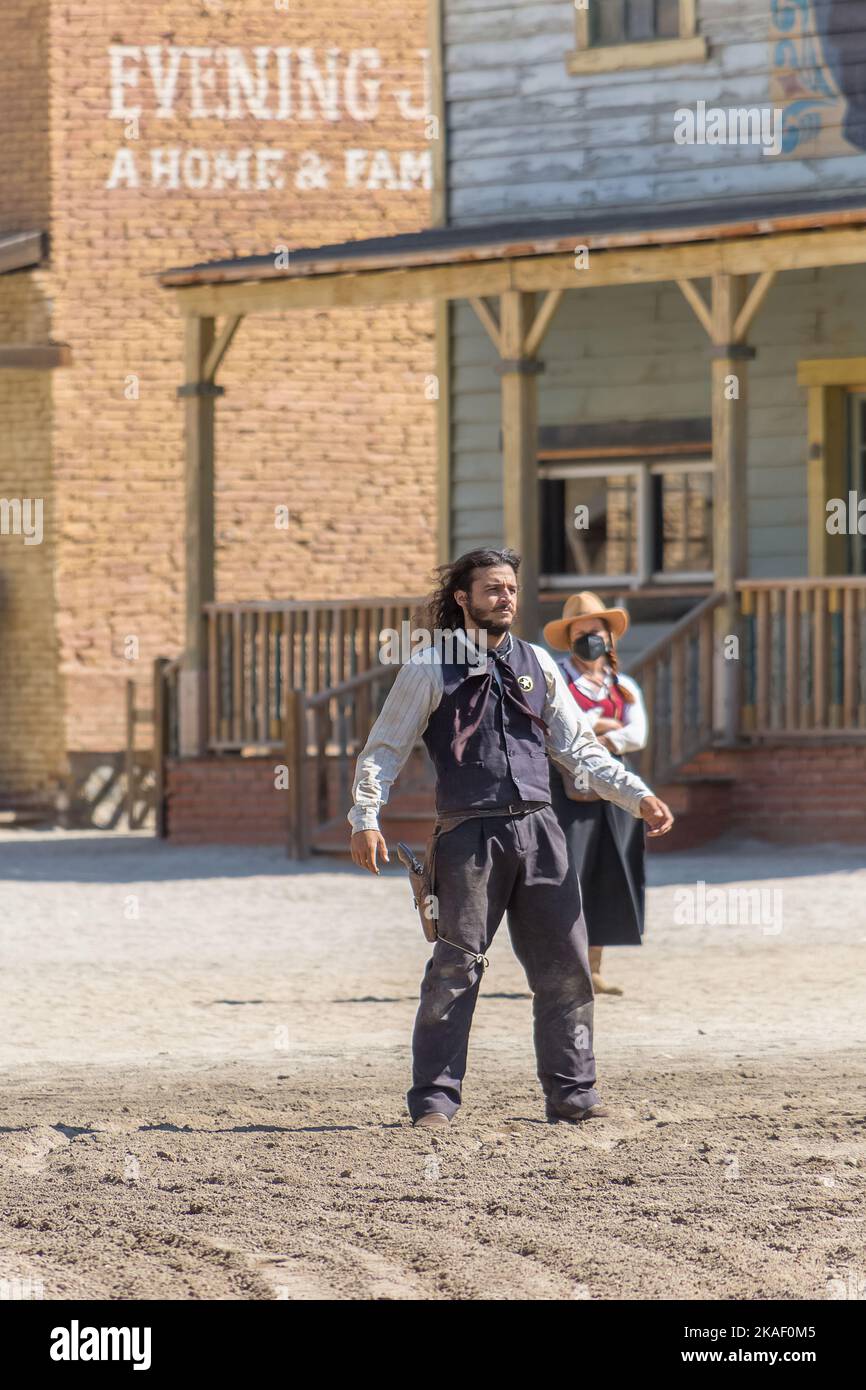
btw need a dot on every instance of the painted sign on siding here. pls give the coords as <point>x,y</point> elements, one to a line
<point>818,75</point>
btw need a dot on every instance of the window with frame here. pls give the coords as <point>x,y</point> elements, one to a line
<point>836,458</point>
<point>617,34</point>
<point>630,524</point>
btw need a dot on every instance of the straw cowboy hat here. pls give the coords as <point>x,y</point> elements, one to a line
<point>558,634</point>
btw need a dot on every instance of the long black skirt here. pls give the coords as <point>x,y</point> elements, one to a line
<point>608,849</point>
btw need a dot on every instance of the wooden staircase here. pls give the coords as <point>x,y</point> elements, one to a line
<point>303,684</point>
<point>408,816</point>
<point>676,673</point>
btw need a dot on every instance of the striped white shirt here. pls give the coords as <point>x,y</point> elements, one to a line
<point>416,693</point>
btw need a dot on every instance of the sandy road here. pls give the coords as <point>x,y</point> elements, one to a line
<point>205,1053</point>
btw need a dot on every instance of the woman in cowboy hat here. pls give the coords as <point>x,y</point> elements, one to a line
<point>606,845</point>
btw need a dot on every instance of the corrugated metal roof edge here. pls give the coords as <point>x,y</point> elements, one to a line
<point>543,236</point>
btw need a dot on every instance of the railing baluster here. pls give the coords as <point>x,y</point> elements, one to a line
<point>648,756</point>
<point>291,660</point>
<point>677,699</point>
<point>806,674</point>
<point>763,657</point>
<point>277,705</point>
<point>264,677</point>
<point>212,621</point>
<point>819,658</point>
<point>295,755</point>
<point>237,733</point>
<point>835,625</point>
<point>792,660</point>
<point>849,658</point>
<point>303,650</point>
<point>314,640</point>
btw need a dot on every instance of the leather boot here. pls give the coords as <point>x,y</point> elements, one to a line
<point>599,985</point>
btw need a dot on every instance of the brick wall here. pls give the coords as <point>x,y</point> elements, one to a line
<point>25,104</point>
<point>324,412</point>
<point>32,734</point>
<point>800,794</point>
<point>780,793</point>
<point>225,801</point>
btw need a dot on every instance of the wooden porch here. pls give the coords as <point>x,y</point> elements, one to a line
<point>755,660</point>
<point>294,688</point>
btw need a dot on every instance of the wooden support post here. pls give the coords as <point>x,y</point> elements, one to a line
<point>442,314</point>
<point>296,762</point>
<point>199,396</point>
<point>130,755</point>
<point>519,451</point>
<point>160,746</point>
<point>730,517</point>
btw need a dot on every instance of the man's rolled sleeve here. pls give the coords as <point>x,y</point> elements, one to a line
<point>413,697</point>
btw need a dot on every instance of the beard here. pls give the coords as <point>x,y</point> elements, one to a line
<point>496,626</point>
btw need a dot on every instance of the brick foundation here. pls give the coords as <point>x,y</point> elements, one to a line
<point>225,801</point>
<point>803,793</point>
<point>784,793</point>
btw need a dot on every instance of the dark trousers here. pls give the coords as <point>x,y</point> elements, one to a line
<point>484,869</point>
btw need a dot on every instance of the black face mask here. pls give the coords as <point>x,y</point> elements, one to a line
<point>590,646</point>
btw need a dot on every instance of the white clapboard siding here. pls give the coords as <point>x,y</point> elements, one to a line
<point>525,137</point>
<point>638,353</point>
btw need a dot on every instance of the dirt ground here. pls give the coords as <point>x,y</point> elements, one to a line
<point>205,1054</point>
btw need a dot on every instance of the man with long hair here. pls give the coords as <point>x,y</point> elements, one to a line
<point>490,718</point>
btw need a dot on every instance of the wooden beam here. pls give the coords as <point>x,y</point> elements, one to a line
<point>619,57</point>
<point>832,371</point>
<point>688,18</point>
<point>702,310</point>
<point>221,347</point>
<point>730,446</point>
<point>437,137</point>
<point>463,280</point>
<point>542,322</point>
<point>443,431</point>
<point>199,489</point>
<point>826,475</point>
<point>35,357</point>
<point>489,322</point>
<point>519,404</point>
<point>754,299</point>
<point>694,260</point>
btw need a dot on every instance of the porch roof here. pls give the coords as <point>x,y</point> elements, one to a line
<point>528,237</point>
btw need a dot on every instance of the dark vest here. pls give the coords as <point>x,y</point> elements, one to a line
<point>504,760</point>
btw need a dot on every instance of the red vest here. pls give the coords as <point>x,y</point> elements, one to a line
<point>611,705</point>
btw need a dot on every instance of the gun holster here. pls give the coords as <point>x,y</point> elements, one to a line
<point>421,879</point>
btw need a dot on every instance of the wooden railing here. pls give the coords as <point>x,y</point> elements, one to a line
<point>259,652</point>
<point>325,732</point>
<point>677,677</point>
<point>144,768</point>
<point>306,680</point>
<point>804,659</point>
